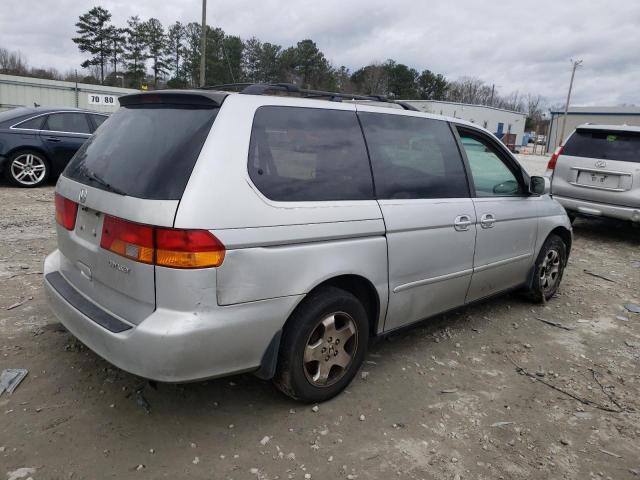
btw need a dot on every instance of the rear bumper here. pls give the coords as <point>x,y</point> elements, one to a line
<point>170,345</point>
<point>599,209</point>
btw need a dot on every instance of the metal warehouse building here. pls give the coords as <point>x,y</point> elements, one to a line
<point>579,115</point>
<point>28,92</point>
<point>496,120</point>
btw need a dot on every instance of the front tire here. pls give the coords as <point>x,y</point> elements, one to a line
<point>27,169</point>
<point>548,269</point>
<point>323,346</point>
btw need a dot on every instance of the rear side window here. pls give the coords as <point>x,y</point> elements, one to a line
<point>144,151</point>
<point>99,119</point>
<point>604,144</point>
<point>32,124</point>
<point>308,154</point>
<point>413,157</point>
<point>68,122</point>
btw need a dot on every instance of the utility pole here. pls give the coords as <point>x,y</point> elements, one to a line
<point>203,43</point>
<point>493,89</point>
<point>77,96</point>
<point>576,64</point>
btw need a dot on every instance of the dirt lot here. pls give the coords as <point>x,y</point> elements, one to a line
<point>444,400</point>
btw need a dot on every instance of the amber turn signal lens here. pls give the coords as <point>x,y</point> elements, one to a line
<point>167,247</point>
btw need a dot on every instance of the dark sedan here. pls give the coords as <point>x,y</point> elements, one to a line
<point>37,143</point>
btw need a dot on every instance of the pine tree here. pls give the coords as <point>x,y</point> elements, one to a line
<point>157,44</point>
<point>191,60</point>
<point>176,51</point>
<point>93,30</point>
<point>135,51</point>
<point>116,44</point>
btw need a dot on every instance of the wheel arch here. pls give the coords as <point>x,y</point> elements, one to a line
<point>565,235</point>
<point>23,148</point>
<point>359,286</point>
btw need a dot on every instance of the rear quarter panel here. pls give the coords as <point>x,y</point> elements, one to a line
<point>276,249</point>
<point>14,140</point>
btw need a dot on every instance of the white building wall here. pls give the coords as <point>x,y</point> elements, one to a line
<point>18,91</point>
<point>487,117</point>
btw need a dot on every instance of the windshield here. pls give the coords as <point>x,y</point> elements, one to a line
<point>144,151</point>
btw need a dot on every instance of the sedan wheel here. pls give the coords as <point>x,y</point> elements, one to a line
<point>28,169</point>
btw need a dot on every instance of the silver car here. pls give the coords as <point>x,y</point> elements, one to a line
<point>205,233</point>
<point>597,172</point>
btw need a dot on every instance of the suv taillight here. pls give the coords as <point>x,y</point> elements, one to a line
<point>554,158</point>
<point>66,211</point>
<point>167,247</point>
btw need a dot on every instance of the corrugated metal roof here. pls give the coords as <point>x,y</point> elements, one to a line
<point>467,105</point>
<point>627,110</point>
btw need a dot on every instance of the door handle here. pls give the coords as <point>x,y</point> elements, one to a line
<point>462,223</point>
<point>487,220</point>
<point>53,139</point>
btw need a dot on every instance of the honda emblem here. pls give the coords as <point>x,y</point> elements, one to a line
<point>82,196</point>
<point>601,164</point>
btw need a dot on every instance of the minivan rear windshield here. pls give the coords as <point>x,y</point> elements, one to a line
<point>144,151</point>
<point>604,144</point>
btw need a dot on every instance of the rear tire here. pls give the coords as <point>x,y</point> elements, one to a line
<point>323,346</point>
<point>27,169</point>
<point>548,269</point>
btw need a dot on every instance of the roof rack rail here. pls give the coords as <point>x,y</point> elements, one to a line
<point>290,88</point>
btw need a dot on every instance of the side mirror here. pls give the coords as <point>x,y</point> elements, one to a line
<point>540,185</point>
<point>510,187</point>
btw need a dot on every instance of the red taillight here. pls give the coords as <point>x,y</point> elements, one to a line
<point>66,211</point>
<point>554,158</point>
<point>131,240</point>
<point>169,247</point>
<point>188,248</point>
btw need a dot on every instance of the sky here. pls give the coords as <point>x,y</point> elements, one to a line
<point>516,45</point>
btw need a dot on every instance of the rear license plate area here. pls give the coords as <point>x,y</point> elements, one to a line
<point>88,225</point>
<point>598,180</point>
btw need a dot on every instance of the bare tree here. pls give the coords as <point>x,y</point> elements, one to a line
<point>533,107</point>
<point>13,63</point>
<point>470,90</point>
<point>372,79</point>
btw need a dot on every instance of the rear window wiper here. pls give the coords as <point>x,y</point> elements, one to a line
<point>94,177</point>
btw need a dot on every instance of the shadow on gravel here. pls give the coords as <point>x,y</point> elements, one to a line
<point>607,230</point>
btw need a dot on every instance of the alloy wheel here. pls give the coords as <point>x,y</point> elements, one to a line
<point>550,270</point>
<point>330,349</point>
<point>28,169</point>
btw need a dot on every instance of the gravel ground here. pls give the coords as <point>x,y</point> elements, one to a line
<point>448,399</point>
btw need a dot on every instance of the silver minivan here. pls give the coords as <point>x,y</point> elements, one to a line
<point>205,233</point>
<point>596,172</point>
